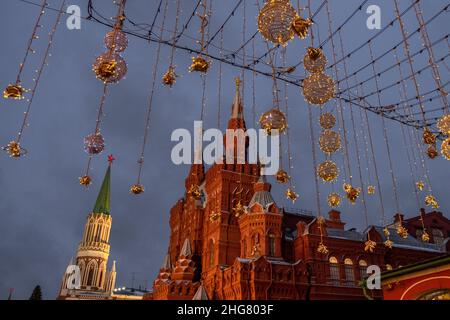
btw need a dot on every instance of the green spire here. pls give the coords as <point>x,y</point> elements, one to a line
<point>102,203</point>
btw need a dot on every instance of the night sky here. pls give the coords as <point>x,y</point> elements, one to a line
<point>42,206</point>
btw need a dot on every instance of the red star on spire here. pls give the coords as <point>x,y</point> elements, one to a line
<point>111,159</point>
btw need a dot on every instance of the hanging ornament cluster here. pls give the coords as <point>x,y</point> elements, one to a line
<point>199,63</point>
<point>239,209</point>
<point>402,232</point>
<point>14,149</point>
<point>327,120</point>
<point>321,248</point>
<point>329,141</point>
<point>371,190</point>
<point>137,189</point>
<point>14,91</point>
<point>275,21</point>
<point>291,195</point>
<point>334,200</point>
<point>445,149</point>
<point>429,139</point>
<point>282,176</point>
<point>170,77</point>
<point>351,192</point>
<point>420,185</point>
<point>314,60</point>
<point>94,143</point>
<point>273,119</point>
<point>431,201</point>
<point>85,180</point>
<point>328,171</point>
<point>444,125</point>
<point>301,26</point>
<point>369,246</point>
<point>388,243</point>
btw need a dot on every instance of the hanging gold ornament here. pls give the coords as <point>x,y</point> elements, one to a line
<point>14,91</point>
<point>388,244</point>
<point>291,195</point>
<point>371,190</point>
<point>327,120</point>
<point>194,192</point>
<point>329,141</point>
<point>445,149</point>
<point>432,152</point>
<point>402,232</point>
<point>282,176</point>
<point>170,77</point>
<point>352,193</point>
<point>327,171</point>
<point>347,187</point>
<point>273,119</point>
<point>334,200</point>
<point>110,67</point>
<point>239,210</point>
<point>386,232</point>
<point>425,236</point>
<point>318,88</point>
<point>85,180</point>
<point>431,201</point>
<point>199,64</point>
<point>94,143</point>
<point>14,149</point>
<point>301,26</point>
<point>369,246</point>
<point>314,60</point>
<point>444,125</point>
<point>420,185</point>
<point>428,137</point>
<point>116,40</point>
<point>275,21</point>
<point>137,189</point>
<point>322,249</point>
<point>213,217</point>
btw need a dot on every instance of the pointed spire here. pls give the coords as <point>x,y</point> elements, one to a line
<point>103,199</point>
<point>167,264</point>
<point>201,294</point>
<point>186,251</point>
<point>113,268</point>
<point>237,109</point>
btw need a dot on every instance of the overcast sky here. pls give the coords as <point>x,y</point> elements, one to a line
<point>42,206</point>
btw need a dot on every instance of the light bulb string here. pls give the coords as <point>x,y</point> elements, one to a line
<point>175,31</point>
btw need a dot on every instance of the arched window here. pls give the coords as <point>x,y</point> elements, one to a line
<point>334,271</point>
<point>349,272</point>
<point>271,245</point>
<point>211,253</point>
<point>438,236</point>
<point>100,279</point>
<point>90,276</point>
<point>363,269</point>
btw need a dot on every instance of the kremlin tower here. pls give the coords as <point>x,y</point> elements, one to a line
<point>93,253</point>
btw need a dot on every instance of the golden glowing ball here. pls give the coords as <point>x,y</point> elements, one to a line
<point>85,180</point>
<point>170,77</point>
<point>322,249</point>
<point>334,200</point>
<point>199,64</point>
<point>137,189</point>
<point>110,68</point>
<point>318,88</point>
<point>445,149</point>
<point>352,193</point>
<point>301,26</point>
<point>94,143</point>
<point>273,119</point>
<point>14,91</point>
<point>428,137</point>
<point>275,21</point>
<point>282,176</point>
<point>327,171</point>
<point>432,151</point>
<point>116,40</point>
<point>420,185</point>
<point>314,60</point>
<point>14,149</point>
<point>291,195</point>
<point>369,246</point>
<point>431,201</point>
<point>444,124</point>
<point>371,190</point>
<point>327,120</point>
<point>402,232</point>
<point>330,141</point>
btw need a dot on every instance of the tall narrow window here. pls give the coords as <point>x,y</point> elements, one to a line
<point>349,272</point>
<point>271,245</point>
<point>90,276</point>
<point>334,271</point>
<point>211,253</point>
<point>363,269</point>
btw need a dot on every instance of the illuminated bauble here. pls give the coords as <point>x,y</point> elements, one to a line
<point>14,149</point>
<point>445,149</point>
<point>275,21</point>
<point>420,185</point>
<point>369,246</point>
<point>137,189</point>
<point>116,40</point>
<point>94,143</point>
<point>425,237</point>
<point>388,244</point>
<point>428,137</point>
<point>282,176</point>
<point>85,180</point>
<point>318,88</point>
<point>371,190</point>
<point>431,201</point>
<point>322,249</point>
<point>239,210</point>
<point>386,232</point>
<point>273,119</point>
<point>327,171</point>
<point>444,125</point>
<point>110,68</point>
<point>432,152</point>
<point>14,91</point>
<point>291,195</point>
<point>402,232</point>
<point>314,60</point>
<point>352,193</point>
<point>199,64</point>
<point>170,77</point>
<point>334,200</point>
<point>327,120</point>
<point>194,192</point>
<point>301,26</point>
<point>330,141</point>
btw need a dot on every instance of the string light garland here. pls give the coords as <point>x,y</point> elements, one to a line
<point>170,77</point>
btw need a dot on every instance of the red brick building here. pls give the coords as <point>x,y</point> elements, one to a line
<point>215,252</point>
